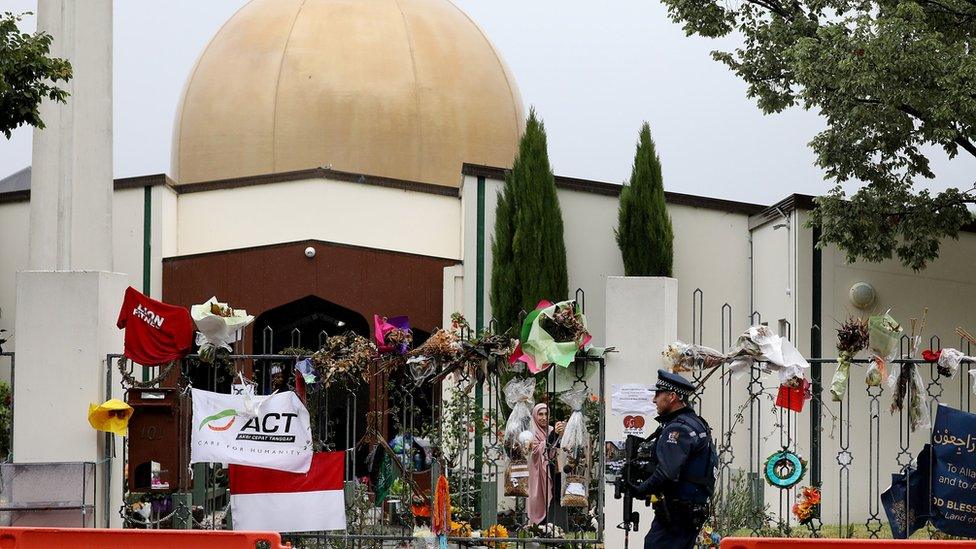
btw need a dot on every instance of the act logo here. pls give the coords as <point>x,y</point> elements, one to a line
<point>208,421</point>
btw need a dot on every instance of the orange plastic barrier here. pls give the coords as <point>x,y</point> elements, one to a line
<point>104,538</point>
<point>804,543</point>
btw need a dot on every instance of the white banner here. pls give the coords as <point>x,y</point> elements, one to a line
<point>262,431</point>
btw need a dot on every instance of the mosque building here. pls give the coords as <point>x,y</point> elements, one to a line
<point>335,159</point>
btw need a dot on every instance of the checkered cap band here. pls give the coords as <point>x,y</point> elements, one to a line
<point>663,385</point>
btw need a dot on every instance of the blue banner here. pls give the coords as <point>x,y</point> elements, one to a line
<point>906,501</point>
<point>954,472</point>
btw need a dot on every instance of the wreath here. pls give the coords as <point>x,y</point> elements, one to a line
<point>784,469</point>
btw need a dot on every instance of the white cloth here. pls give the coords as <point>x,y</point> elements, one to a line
<point>262,431</point>
<point>778,353</point>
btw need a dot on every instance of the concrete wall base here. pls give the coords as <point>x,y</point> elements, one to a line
<point>65,327</point>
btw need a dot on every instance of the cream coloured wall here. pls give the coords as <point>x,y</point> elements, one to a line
<point>947,287</point>
<point>711,253</point>
<point>169,226</point>
<point>335,211</point>
<point>164,234</point>
<point>127,219</point>
<point>944,287</point>
<point>14,220</point>
<point>14,225</point>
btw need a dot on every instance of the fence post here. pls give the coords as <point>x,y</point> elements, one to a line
<point>481,505</point>
<point>816,368</point>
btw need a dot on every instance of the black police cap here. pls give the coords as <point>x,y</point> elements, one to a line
<point>667,381</point>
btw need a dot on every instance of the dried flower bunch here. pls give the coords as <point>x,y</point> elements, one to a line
<point>397,337</point>
<point>443,345</point>
<point>852,336</point>
<point>683,357</point>
<point>906,378</point>
<point>344,358</point>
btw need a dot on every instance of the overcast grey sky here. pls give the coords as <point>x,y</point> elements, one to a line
<point>593,70</point>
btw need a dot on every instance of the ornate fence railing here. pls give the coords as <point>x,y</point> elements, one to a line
<point>849,447</point>
<point>456,415</point>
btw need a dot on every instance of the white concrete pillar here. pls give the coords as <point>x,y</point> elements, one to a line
<point>67,304</point>
<point>71,177</point>
<point>642,319</point>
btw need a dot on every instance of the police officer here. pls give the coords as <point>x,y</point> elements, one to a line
<point>683,460</point>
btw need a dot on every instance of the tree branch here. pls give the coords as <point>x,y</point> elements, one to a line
<point>947,9</point>
<point>958,140</point>
<point>769,5</point>
<point>963,142</point>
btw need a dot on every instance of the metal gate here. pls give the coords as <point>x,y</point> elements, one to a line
<point>851,446</point>
<point>458,412</point>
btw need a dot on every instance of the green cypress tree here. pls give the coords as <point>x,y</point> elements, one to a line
<point>529,255</point>
<point>644,233</point>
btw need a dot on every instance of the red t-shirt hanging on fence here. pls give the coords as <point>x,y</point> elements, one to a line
<point>155,333</point>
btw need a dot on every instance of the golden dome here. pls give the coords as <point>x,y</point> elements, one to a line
<point>407,89</point>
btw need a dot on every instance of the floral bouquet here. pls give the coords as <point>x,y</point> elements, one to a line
<point>218,326</point>
<point>709,539</point>
<point>423,538</point>
<point>460,529</point>
<point>546,530</point>
<point>392,335</point>
<point>553,334</point>
<point>884,333</point>
<point>807,501</point>
<point>776,353</point>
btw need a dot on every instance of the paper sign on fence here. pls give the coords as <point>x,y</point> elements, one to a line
<point>632,398</point>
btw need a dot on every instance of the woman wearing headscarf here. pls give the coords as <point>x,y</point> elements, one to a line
<point>543,479</point>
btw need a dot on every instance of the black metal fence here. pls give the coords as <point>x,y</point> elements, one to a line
<point>456,415</point>
<point>851,447</point>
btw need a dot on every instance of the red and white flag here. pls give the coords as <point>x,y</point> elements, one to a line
<point>279,501</point>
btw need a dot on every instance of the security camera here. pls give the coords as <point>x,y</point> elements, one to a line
<point>310,252</point>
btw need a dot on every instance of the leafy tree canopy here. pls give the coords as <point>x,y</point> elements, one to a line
<point>891,78</point>
<point>28,75</point>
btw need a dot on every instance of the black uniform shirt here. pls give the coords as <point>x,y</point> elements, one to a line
<point>677,448</point>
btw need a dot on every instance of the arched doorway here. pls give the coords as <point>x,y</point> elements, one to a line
<point>339,411</point>
<point>303,324</point>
